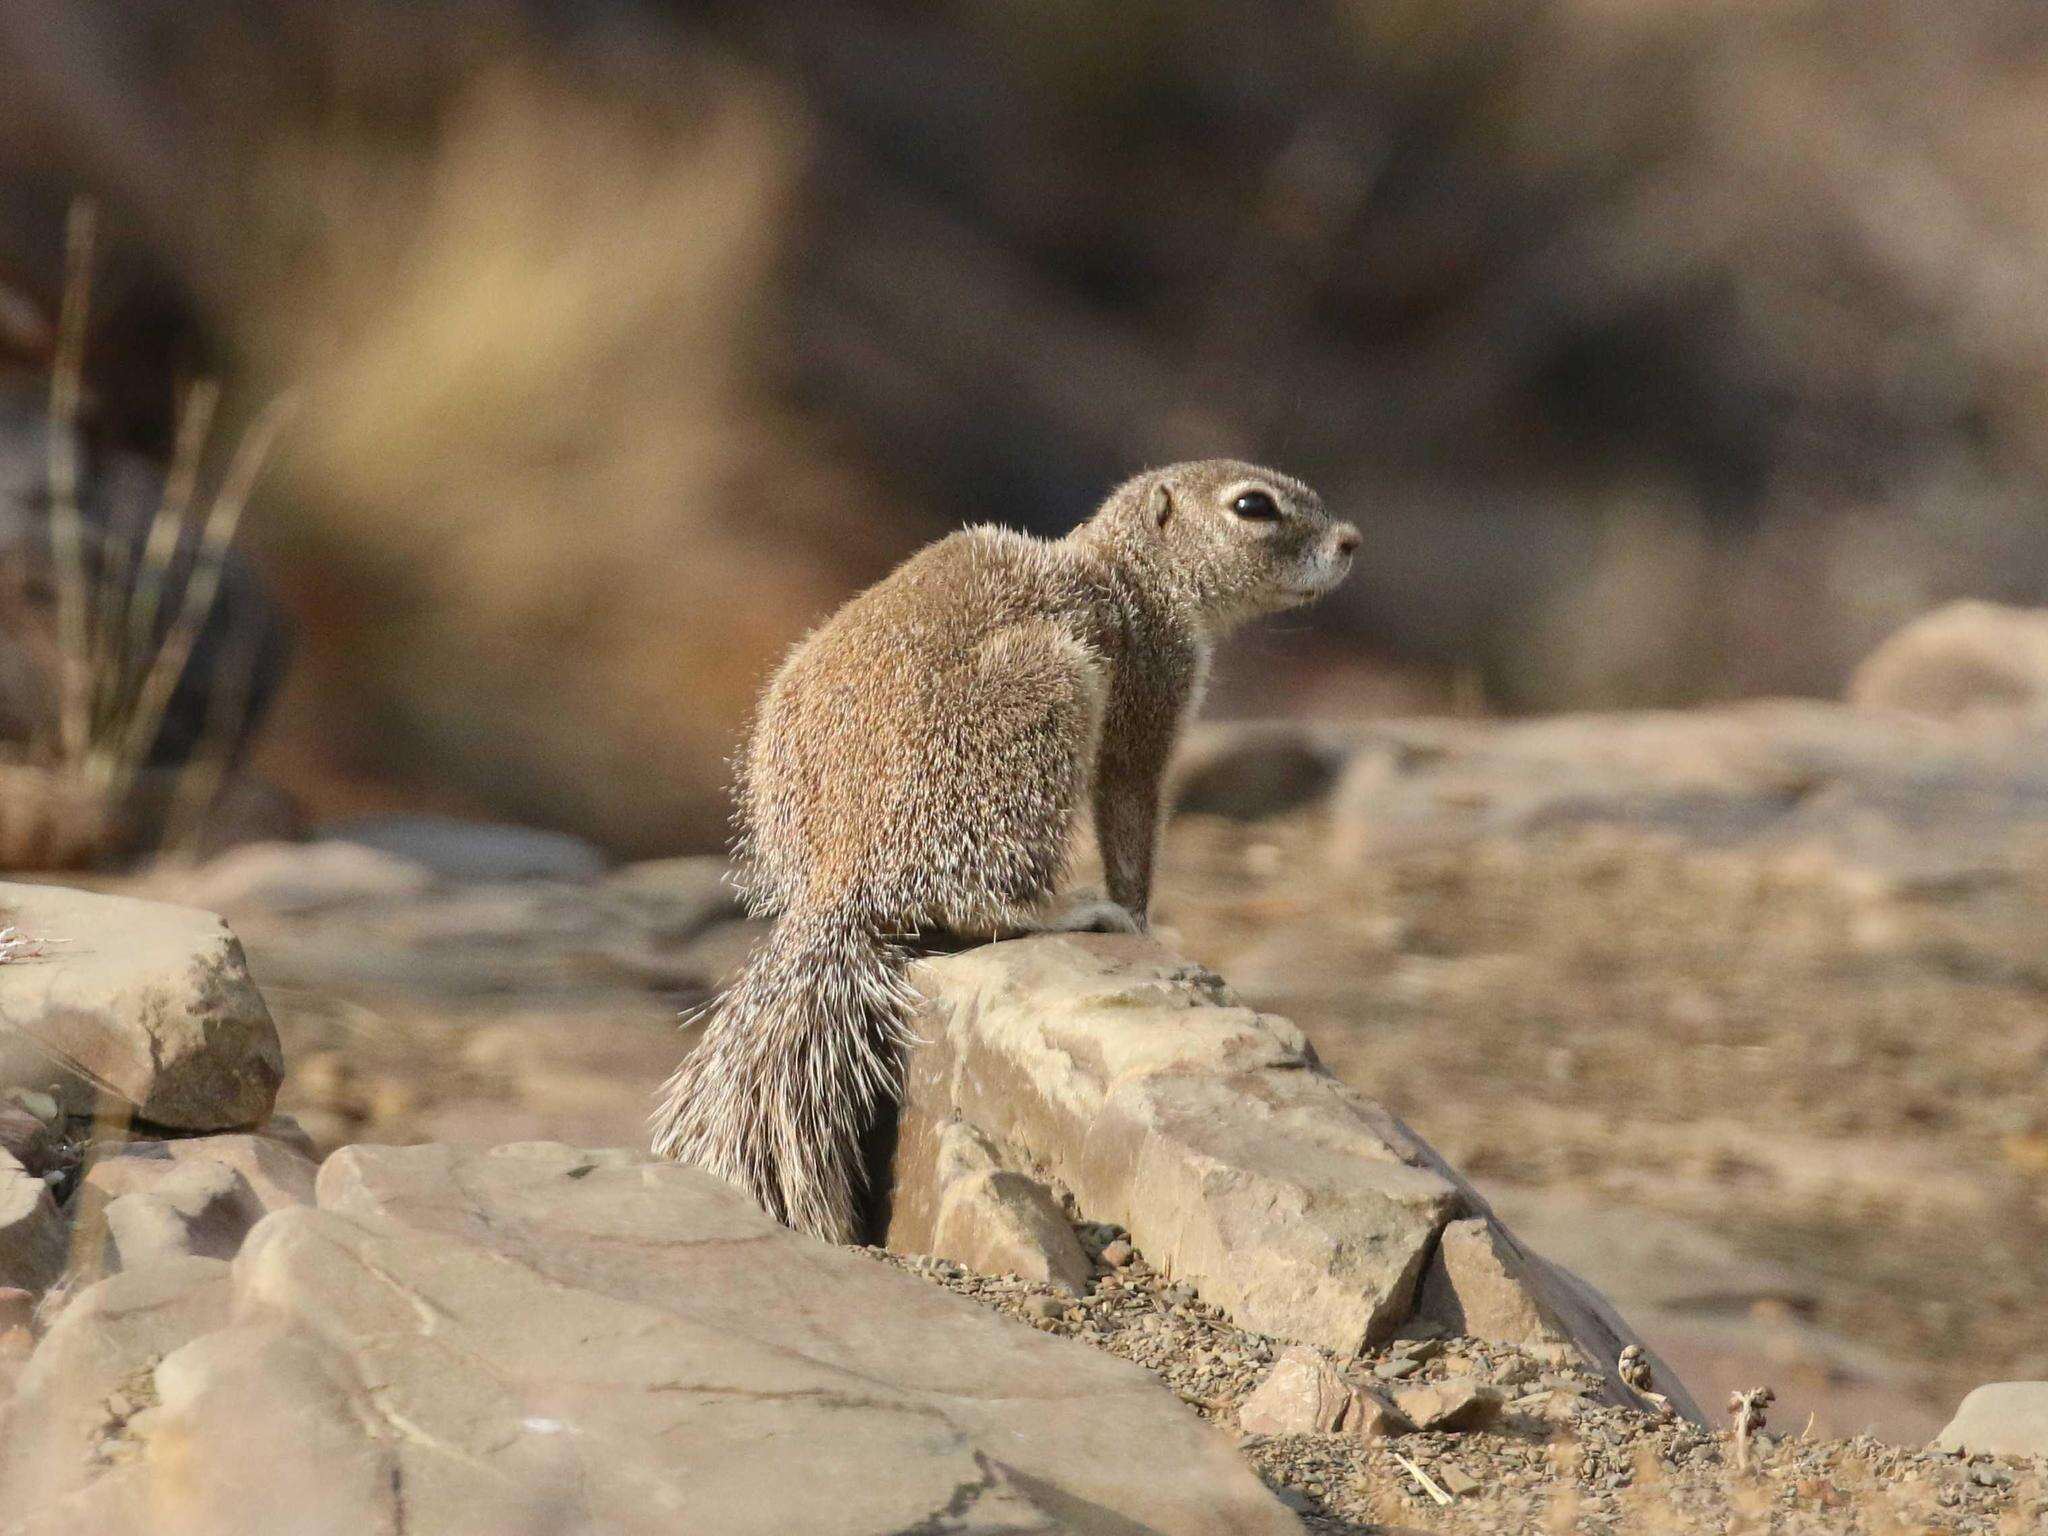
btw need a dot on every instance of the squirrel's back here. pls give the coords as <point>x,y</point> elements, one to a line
<point>884,722</point>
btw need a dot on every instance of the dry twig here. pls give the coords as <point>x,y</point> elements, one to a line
<point>1747,1410</point>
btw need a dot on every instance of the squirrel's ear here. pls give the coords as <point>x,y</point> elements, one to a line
<point>1160,504</point>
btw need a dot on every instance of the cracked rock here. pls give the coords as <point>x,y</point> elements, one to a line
<point>541,1339</point>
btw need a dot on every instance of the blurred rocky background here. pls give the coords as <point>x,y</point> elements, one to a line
<point>1665,351</point>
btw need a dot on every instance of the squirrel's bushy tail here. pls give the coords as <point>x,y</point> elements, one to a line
<point>795,1062</point>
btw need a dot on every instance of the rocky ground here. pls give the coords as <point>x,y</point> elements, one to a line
<point>210,1338</point>
<point>1772,1087</point>
<point>1551,1457</point>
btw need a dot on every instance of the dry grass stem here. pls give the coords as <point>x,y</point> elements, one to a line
<point>67,531</point>
<point>133,603</point>
<point>201,586</point>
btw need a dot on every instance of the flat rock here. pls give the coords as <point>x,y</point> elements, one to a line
<point>1885,798</point>
<point>140,1006</point>
<point>1455,1403</point>
<point>32,1238</point>
<point>998,1221</point>
<point>677,898</point>
<point>1254,771</point>
<point>299,878</point>
<point>473,852</point>
<point>2000,1418</point>
<point>540,1338</point>
<point>1201,1127</point>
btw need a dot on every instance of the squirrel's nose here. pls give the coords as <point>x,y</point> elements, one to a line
<point>1347,538</point>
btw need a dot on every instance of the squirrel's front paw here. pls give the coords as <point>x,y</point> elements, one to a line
<point>1094,915</point>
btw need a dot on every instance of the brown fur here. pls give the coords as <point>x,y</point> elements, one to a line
<point>918,762</point>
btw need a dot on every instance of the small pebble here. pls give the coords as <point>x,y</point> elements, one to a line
<point>1117,1254</point>
<point>1456,1481</point>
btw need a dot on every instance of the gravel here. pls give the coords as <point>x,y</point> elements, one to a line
<point>1557,1459</point>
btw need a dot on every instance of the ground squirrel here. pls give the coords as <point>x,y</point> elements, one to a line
<point>918,763</point>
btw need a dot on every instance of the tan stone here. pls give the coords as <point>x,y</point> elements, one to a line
<point>195,1211</point>
<point>299,878</point>
<point>1301,1395</point>
<point>539,1339</point>
<point>261,1429</point>
<point>1370,1416</point>
<point>1201,1127</point>
<point>1253,770</point>
<point>139,1007</point>
<point>1134,1082</point>
<point>997,1221</point>
<point>1477,1286</point>
<point>2000,1418</point>
<point>276,1172</point>
<point>1455,1403</point>
<point>143,1200</point>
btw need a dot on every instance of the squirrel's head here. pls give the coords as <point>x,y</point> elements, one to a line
<point>1235,540</point>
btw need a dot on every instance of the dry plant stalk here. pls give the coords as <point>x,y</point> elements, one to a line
<point>128,623</point>
<point>16,945</point>
<point>1428,1483</point>
<point>1633,1367</point>
<point>1747,1409</point>
<point>67,523</point>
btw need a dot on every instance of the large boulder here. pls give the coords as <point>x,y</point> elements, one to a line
<point>135,1008</point>
<point>2000,1418</point>
<point>543,1339</point>
<point>1134,1080</point>
<point>1135,1083</point>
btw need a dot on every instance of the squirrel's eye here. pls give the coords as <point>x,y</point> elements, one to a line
<point>1256,506</point>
